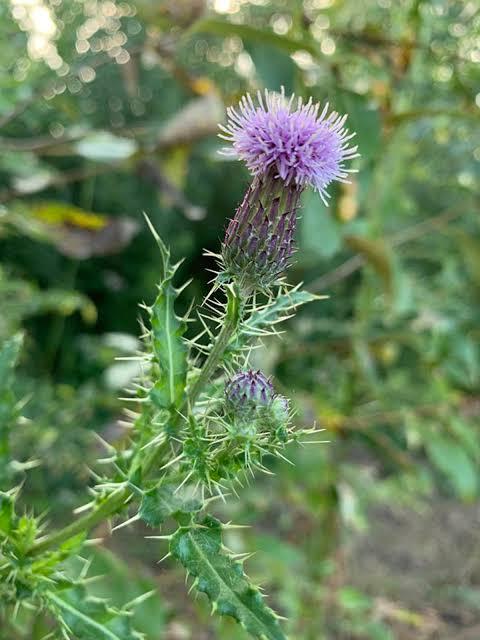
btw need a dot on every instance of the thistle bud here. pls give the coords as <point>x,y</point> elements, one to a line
<point>249,390</point>
<point>254,407</point>
<point>259,240</point>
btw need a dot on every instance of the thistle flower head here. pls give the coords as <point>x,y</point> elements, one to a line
<point>293,139</point>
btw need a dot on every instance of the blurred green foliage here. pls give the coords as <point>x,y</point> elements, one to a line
<point>108,109</point>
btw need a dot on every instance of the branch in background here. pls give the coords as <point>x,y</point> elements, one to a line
<point>356,262</point>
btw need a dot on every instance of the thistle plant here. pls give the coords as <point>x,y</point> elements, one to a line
<point>202,421</point>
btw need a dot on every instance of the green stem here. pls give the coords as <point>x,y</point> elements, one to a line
<point>232,318</point>
<point>116,501</point>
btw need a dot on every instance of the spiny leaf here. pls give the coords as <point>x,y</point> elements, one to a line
<point>222,579</point>
<point>88,618</point>
<point>169,348</point>
<point>160,503</point>
<point>273,312</point>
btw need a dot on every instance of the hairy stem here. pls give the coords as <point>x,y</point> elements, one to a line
<point>112,504</point>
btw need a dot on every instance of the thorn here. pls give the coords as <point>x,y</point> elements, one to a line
<point>167,555</point>
<point>172,462</point>
<point>84,507</point>
<point>127,522</point>
<point>92,542</point>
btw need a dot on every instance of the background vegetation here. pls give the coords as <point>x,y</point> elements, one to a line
<point>110,108</point>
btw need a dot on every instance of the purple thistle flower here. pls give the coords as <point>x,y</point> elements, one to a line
<point>291,140</point>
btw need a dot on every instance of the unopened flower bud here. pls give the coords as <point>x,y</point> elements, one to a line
<point>259,240</point>
<point>248,390</point>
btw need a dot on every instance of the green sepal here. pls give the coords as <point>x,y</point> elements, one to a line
<point>89,618</point>
<point>222,579</point>
<point>166,501</point>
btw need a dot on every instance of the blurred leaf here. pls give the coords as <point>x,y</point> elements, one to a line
<point>76,233</point>
<point>470,251</point>
<point>273,76</point>
<point>103,146</point>
<point>450,458</point>
<point>33,182</point>
<point>320,232</point>
<point>197,119</point>
<point>363,119</point>
<point>64,213</point>
<point>9,353</point>
<point>376,254</point>
<point>23,300</point>
<point>122,583</point>
<point>353,599</point>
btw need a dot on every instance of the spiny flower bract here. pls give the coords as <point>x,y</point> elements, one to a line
<point>290,137</point>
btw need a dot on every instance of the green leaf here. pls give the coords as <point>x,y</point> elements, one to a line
<point>451,458</point>
<point>169,350</point>
<point>164,501</point>
<point>273,76</point>
<point>89,618</point>
<point>222,579</point>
